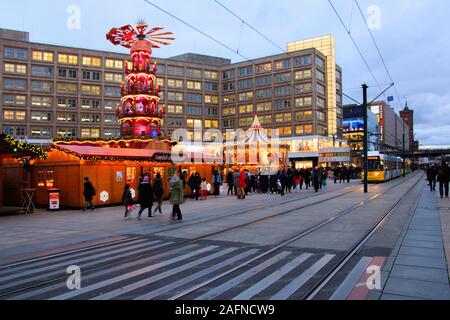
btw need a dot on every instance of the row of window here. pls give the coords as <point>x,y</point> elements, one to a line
<point>62,132</point>
<point>14,115</point>
<point>39,101</point>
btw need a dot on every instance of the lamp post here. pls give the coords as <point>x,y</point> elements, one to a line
<point>366,139</point>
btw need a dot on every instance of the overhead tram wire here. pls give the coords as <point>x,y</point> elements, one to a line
<point>212,38</point>
<point>379,51</point>
<point>356,45</point>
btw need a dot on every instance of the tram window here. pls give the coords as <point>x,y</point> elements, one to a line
<point>376,165</point>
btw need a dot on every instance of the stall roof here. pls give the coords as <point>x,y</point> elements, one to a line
<point>12,148</point>
<point>104,152</point>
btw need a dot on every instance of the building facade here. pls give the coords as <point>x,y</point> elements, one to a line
<point>49,91</point>
<point>394,132</point>
<point>407,116</point>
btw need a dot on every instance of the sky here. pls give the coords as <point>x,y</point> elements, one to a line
<point>412,36</point>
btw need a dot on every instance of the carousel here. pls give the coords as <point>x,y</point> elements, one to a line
<point>254,151</point>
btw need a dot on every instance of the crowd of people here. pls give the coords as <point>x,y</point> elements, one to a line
<point>439,174</point>
<point>240,183</point>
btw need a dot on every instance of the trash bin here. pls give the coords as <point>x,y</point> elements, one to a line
<point>54,199</point>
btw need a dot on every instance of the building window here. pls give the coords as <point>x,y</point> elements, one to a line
<point>67,103</point>
<point>283,91</point>
<point>38,71</point>
<point>246,71</point>
<point>111,133</point>
<point>246,109</point>
<point>230,123</point>
<point>194,111</point>
<point>41,132</point>
<point>229,99</point>
<point>303,88</point>
<point>246,84</point>
<point>320,103</point>
<point>303,74</point>
<point>246,96</point>
<point>114,64</point>
<point>175,96</point>
<point>12,115</point>
<point>264,106</point>
<point>229,111</point>
<point>304,116</point>
<point>303,102</point>
<point>245,122</point>
<point>16,53</point>
<point>90,104</point>
<point>304,129</point>
<point>193,85</point>
<point>193,97</point>
<point>263,93</point>
<point>66,117</point>
<point>284,131</point>
<point>71,88</point>
<point>88,75</point>
<point>112,92</point>
<point>65,73</point>
<point>175,109</point>
<point>110,119</point>
<point>265,67</point>
<point>14,84</point>
<point>14,100</point>
<point>265,120</point>
<point>90,133</point>
<point>283,117</point>
<point>92,62</point>
<point>174,122</point>
<point>90,90</point>
<point>42,56</point>
<point>90,118</point>
<point>161,69</point>
<point>320,62</point>
<point>213,75</point>
<point>41,101</point>
<point>15,68</point>
<point>283,104</point>
<point>229,86</point>
<point>177,84</point>
<point>194,73</point>
<point>211,87</point>
<point>264,81</point>
<point>320,76</point>
<point>303,61</point>
<point>67,132</point>
<point>41,86</point>
<point>41,116</point>
<point>113,77</point>
<point>110,105</point>
<point>211,99</point>
<point>320,116</point>
<point>284,64</point>
<point>194,123</point>
<point>175,71</point>
<point>67,59</point>
<point>211,124</point>
<point>282,77</point>
<point>230,74</point>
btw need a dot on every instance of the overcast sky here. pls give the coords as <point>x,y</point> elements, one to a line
<point>413,38</point>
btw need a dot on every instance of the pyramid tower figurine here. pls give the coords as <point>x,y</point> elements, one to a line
<point>140,114</point>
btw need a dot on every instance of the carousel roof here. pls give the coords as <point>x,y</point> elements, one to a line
<point>256,133</point>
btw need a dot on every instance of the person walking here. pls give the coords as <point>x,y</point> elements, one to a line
<point>89,193</point>
<point>191,184</point>
<point>236,176</point>
<point>289,180</point>
<point>158,191</point>
<point>444,179</point>
<point>431,177</point>
<point>316,176</point>
<point>204,190</point>
<point>324,178</point>
<point>176,197</point>
<point>307,178</point>
<point>217,180</point>
<point>127,200</point>
<point>242,185</point>
<point>230,182</point>
<point>145,197</point>
<point>336,174</point>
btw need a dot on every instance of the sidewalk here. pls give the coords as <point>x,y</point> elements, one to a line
<point>420,270</point>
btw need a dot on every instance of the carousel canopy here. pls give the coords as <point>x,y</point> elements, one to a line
<point>256,133</point>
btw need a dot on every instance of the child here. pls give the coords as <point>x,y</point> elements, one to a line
<point>204,190</point>
<point>127,200</point>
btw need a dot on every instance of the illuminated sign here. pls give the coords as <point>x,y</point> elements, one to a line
<point>104,196</point>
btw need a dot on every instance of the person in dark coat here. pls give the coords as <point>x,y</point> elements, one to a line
<point>217,180</point>
<point>307,178</point>
<point>336,174</point>
<point>283,179</point>
<point>431,177</point>
<point>145,197</point>
<point>158,191</point>
<point>191,183</point>
<point>197,185</point>
<point>230,182</point>
<point>289,180</point>
<point>444,179</point>
<point>89,193</point>
<point>127,200</point>
<point>316,177</point>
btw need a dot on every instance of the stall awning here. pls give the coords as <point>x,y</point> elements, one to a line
<point>116,153</point>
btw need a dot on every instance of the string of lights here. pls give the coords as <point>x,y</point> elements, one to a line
<point>22,149</point>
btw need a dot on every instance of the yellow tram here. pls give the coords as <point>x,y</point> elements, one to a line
<point>383,167</point>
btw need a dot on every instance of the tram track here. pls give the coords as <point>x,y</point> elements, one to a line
<point>56,279</point>
<point>326,279</point>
